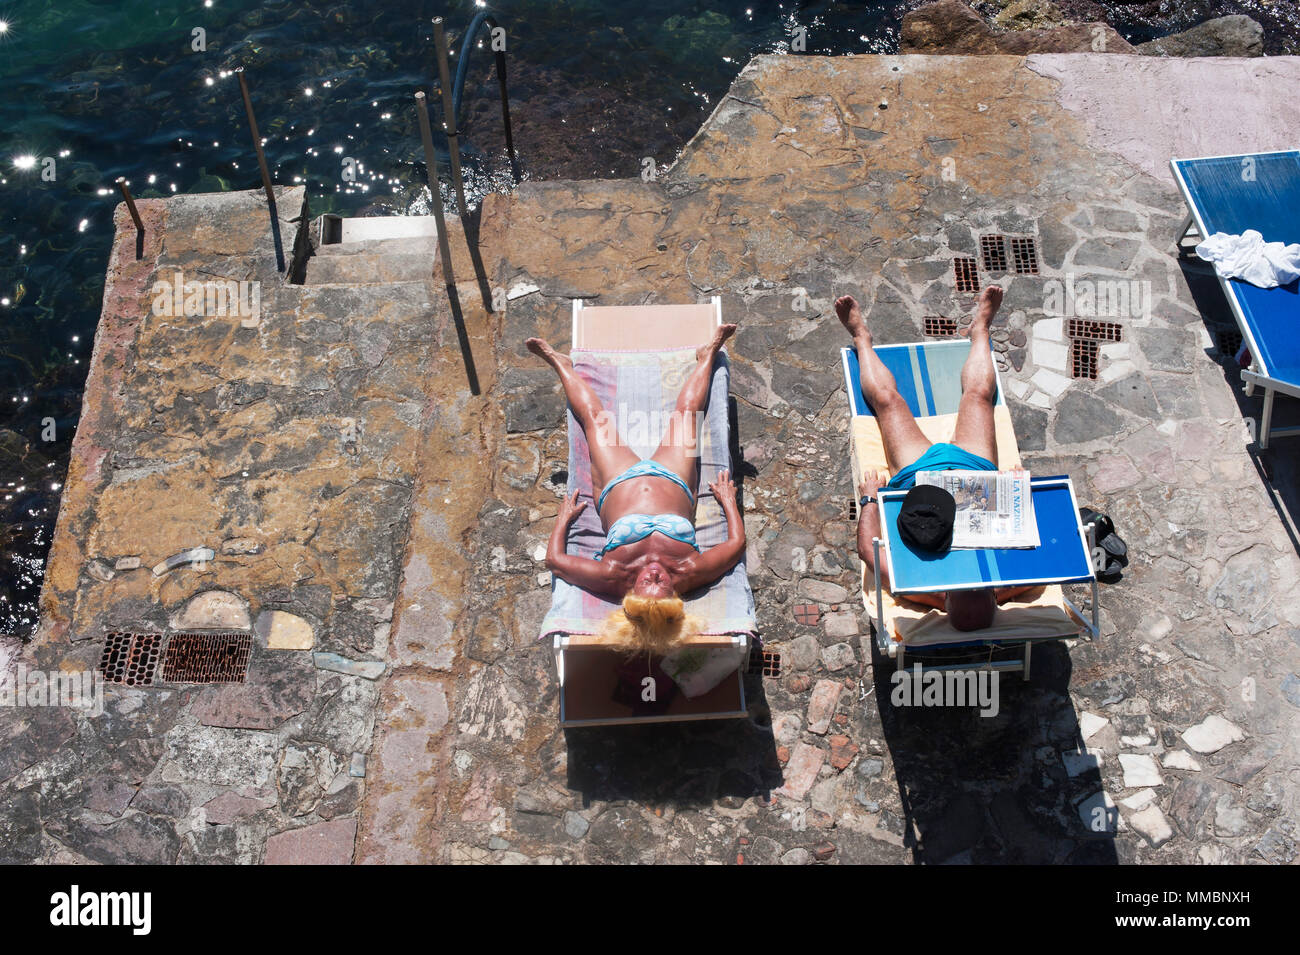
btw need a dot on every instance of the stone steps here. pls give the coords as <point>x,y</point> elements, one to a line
<point>423,244</point>
<point>372,268</point>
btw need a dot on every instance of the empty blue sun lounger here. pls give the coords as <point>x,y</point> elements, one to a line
<point>929,379</point>
<point>1260,191</point>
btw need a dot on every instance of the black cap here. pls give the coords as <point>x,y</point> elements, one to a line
<point>925,520</point>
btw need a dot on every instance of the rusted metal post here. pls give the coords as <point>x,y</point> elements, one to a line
<point>431,164</point>
<point>261,165</point>
<point>444,249</point>
<point>505,104</point>
<point>135,215</point>
<point>485,19</point>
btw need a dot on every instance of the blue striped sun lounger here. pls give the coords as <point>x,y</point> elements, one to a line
<point>928,375</point>
<point>1260,191</point>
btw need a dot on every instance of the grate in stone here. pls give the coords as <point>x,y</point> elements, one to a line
<point>993,249</point>
<point>1230,341</point>
<point>1024,255</point>
<point>764,662</point>
<point>853,508</point>
<point>964,271</point>
<point>1095,330</point>
<point>807,614</point>
<point>130,658</point>
<point>937,327</point>
<point>1083,358</point>
<point>207,657</point>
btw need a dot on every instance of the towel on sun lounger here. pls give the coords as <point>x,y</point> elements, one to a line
<point>640,389</point>
<point>1249,258</point>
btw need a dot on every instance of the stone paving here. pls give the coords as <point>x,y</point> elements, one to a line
<point>422,726</point>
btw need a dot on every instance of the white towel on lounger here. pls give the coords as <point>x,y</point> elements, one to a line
<point>1249,258</point>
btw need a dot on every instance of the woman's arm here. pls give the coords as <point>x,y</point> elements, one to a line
<point>705,568</point>
<point>869,528</point>
<point>593,575</point>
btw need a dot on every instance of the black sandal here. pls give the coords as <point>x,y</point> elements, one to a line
<point>1110,553</point>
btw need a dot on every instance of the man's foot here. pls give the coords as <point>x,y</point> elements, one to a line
<point>711,349</point>
<point>987,305</point>
<point>846,307</point>
<point>543,350</point>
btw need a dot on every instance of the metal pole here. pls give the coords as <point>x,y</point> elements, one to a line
<point>444,249</point>
<point>505,107</point>
<point>261,164</point>
<point>431,162</point>
<point>449,115</point>
<point>135,215</point>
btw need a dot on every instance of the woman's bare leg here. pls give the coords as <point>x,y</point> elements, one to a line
<point>609,456</point>
<point>680,449</point>
<point>975,431</point>
<point>902,437</point>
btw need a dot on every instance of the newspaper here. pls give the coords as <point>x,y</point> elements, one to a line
<point>995,509</point>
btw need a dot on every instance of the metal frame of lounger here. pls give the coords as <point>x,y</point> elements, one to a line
<point>897,651</point>
<point>1257,374</point>
<point>564,643</point>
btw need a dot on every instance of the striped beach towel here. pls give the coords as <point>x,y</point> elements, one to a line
<point>640,389</point>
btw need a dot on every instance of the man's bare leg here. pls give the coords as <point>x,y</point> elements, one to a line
<point>903,440</point>
<point>975,431</point>
<point>609,456</point>
<point>680,448</point>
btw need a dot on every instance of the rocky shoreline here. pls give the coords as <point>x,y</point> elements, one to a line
<point>1021,27</point>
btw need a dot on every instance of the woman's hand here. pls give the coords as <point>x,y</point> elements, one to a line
<point>570,508</point>
<point>724,490</point>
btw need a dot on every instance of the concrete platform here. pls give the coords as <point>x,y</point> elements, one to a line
<point>332,459</point>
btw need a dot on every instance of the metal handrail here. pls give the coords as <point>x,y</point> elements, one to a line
<point>481,19</point>
<point>449,118</point>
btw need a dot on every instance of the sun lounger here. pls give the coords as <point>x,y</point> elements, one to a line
<point>636,359</point>
<point>1262,192</point>
<point>929,378</point>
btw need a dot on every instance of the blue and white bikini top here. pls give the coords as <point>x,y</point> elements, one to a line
<point>631,528</point>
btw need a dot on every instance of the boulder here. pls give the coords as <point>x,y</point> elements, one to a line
<point>1029,15</point>
<point>951,26</point>
<point>946,26</point>
<point>1236,35</point>
<point>1067,38</point>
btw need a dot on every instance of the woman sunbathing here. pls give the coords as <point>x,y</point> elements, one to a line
<point>646,508</point>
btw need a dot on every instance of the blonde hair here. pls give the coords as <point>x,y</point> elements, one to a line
<point>654,625</point>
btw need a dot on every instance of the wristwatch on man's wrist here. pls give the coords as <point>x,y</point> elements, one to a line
<point>866,499</point>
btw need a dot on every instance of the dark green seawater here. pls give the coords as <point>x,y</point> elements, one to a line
<point>95,89</point>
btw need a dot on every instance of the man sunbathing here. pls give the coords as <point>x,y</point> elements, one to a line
<point>973,448</point>
<point>647,509</point>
